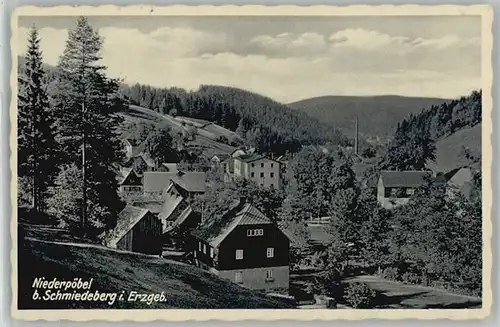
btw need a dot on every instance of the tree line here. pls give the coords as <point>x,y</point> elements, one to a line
<point>68,140</point>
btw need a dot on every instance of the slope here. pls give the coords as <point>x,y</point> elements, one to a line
<point>450,150</point>
<point>378,115</point>
<point>208,135</point>
<point>185,286</point>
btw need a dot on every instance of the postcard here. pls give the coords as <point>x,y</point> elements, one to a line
<point>251,162</point>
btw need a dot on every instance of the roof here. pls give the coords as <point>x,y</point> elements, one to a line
<point>216,228</point>
<point>191,181</point>
<point>157,181</point>
<point>182,217</point>
<point>172,167</point>
<point>253,157</point>
<point>147,159</point>
<point>152,206</point>
<point>169,204</point>
<point>123,174</point>
<point>407,178</point>
<point>126,220</point>
<point>221,156</point>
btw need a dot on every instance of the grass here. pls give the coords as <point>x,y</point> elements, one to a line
<point>449,153</point>
<point>206,138</point>
<point>185,286</point>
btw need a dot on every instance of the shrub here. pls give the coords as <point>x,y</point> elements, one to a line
<point>391,273</point>
<point>359,295</point>
<point>411,278</point>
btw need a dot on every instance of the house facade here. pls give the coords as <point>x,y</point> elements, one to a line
<point>129,182</point>
<point>260,169</point>
<point>395,188</point>
<point>137,230</point>
<point>244,246</point>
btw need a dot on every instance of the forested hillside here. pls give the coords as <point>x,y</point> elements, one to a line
<point>378,115</point>
<point>415,142</point>
<point>263,122</point>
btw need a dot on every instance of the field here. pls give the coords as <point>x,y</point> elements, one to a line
<point>50,252</point>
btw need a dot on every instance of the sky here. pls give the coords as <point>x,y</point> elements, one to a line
<point>287,58</point>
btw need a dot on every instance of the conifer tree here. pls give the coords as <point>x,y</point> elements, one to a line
<point>87,103</point>
<point>35,127</point>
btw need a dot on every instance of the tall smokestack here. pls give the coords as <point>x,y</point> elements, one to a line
<point>356,138</point>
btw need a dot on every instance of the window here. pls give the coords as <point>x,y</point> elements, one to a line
<point>272,175</point>
<point>272,165</point>
<point>262,175</point>
<point>394,191</point>
<point>211,252</point>
<point>199,246</point>
<point>253,165</point>
<point>255,232</point>
<point>239,254</point>
<point>410,191</point>
<point>269,275</point>
<point>204,249</point>
<point>272,186</point>
<point>262,165</point>
<point>238,277</point>
<point>252,174</point>
<point>270,252</point>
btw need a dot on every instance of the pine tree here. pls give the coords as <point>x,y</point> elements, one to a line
<point>87,102</point>
<point>35,127</point>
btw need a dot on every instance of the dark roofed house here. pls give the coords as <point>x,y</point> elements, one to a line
<point>395,188</point>
<point>190,183</point>
<point>176,211</point>
<point>137,230</point>
<point>244,246</point>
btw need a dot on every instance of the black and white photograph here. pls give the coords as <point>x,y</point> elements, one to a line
<point>282,160</point>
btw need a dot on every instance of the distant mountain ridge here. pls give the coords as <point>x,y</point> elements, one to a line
<point>378,115</point>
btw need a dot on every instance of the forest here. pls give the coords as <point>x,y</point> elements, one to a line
<point>263,122</point>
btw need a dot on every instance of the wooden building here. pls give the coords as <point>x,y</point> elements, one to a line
<point>137,230</point>
<point>244,246</point>
<point>129,181</point>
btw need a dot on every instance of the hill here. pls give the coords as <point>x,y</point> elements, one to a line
<point>450,150</point>
<point>378,115</point>
<point>268,125</point>
<point>209,138</point>
<point>184,286</point>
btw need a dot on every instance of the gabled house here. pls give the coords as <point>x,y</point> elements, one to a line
<point>142,163</point>
<point>394,188</point>
<point>129,181</point>
<point>137,230</point>
<point>190,183</point>
<point>244,246</point>
<point>220,160</point>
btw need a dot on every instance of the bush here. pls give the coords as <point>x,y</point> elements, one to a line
<point>411,278</point>
<point>391,273</point>
<point>359,296</point>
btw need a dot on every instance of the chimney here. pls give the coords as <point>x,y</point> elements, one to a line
<point>356,138</point>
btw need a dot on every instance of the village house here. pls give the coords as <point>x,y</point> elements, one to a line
<point>244,246</point>
<point>137,230</point>
<point>252,166</point>
<point>130,182</point>
<point>176,211</point>
<point>190,183</point>
<point>394,188</point>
